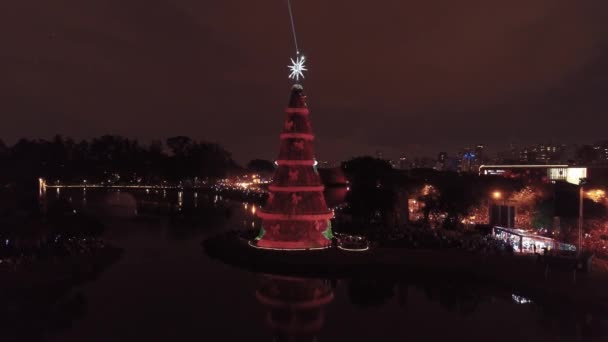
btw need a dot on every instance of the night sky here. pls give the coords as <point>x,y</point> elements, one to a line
<point>405,77</point>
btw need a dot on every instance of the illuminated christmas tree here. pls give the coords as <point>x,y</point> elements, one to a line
<point>295,215</point>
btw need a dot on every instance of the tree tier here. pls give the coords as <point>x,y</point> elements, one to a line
<point>295,123</point>
<point>295,234</point>
<point>297,175</point>
<point>295,217</point>
<point>278,188</point>
<point>292,203</point>
<point>296,149</point>
<point>299,136</point>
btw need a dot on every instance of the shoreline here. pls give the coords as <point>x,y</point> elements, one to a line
<point>518,274</point>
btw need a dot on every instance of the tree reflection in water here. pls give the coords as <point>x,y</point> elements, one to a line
<point>295,306</point>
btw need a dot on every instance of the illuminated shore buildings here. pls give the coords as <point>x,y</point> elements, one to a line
<point>295,306</point>
<point>296,215</point>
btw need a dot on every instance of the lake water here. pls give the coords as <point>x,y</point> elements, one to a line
<point>164,288</point>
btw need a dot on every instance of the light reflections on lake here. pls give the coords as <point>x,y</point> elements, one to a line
<point>165,288</point>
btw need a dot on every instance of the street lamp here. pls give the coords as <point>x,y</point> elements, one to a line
<point>581,194</point>
<point>497,196</point>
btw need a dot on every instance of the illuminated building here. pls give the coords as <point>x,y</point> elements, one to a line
<point>545,173</point>
<point>296,215</point>
<point>602,152</point>
<point>442,157</point>
<point>541,153</point>
<point>467,161</point>
<point>479,152</point>
<point>295,306</point>
<point>441,161</point>
<point>524,241</point>
<point>403,163</point>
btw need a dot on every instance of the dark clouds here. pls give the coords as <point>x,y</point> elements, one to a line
<point>402,76</point>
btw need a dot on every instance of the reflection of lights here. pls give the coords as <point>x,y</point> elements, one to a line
<point>288,249</point>
<point>253,209</point>
<point>41,187</point>
<point>520,300</point>
<point>354,249</point>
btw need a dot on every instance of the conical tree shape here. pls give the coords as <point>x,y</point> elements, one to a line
<point>296,306</point>
<point>296,215</point>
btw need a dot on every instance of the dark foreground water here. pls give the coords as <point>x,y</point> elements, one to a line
<point>164,288</point>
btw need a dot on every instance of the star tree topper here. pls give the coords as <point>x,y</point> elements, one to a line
<point>297,68</point>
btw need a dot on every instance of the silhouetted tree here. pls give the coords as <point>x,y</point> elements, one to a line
<point>260,166</point>
<point>111,158</point>
<point>3,149</point>
<point>179,145</point>
<point>372,194</point>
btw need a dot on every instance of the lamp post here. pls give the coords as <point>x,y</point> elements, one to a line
<point>581,194</point>
<point>496,195</point>
<point>500,201</point>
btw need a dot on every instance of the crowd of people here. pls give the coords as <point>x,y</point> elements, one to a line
<point>421,238</point>
<point>597,243</point>
<point>19,252</point>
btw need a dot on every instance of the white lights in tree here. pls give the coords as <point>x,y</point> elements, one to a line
<point>297,68</point>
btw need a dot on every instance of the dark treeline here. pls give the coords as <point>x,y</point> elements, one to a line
<point>114,159</point>
<point>379,194</point>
